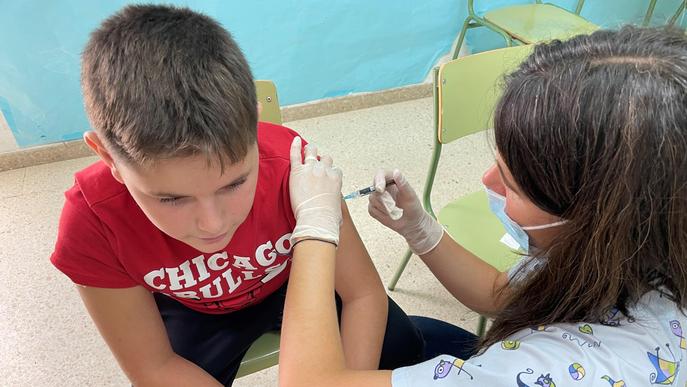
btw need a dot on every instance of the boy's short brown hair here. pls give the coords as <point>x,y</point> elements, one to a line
<point>162,82</point>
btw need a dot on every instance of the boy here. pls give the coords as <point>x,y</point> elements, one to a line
<point>178,238</point>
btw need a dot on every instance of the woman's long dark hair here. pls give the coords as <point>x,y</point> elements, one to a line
<point>594,130</point>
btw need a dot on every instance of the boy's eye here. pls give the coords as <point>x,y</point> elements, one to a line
<point>178,200</point>
<point>234,186</point>
<point>170,201</point>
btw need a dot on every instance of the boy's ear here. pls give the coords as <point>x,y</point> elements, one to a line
<point>93,141</point>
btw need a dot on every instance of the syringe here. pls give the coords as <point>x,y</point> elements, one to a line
<point>365,191</point>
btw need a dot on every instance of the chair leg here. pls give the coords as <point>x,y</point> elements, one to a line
<point>481,326</point>
<point>679,11</point>
<point>461,37</point>
<point>649,13</point>
<point>500,31</point>
<point>399,270</point>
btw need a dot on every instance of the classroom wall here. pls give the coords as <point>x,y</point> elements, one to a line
<point>312,49</point>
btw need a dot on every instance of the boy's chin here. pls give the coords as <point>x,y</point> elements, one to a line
<point>209,247</point>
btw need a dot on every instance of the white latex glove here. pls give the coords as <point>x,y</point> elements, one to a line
<point>398,207</point>
<point>315,187</point>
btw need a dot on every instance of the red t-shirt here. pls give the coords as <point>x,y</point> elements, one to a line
<point>105,240</point>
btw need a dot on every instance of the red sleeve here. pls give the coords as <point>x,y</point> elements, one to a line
<point>275,142</point>
<point>286,199</point>
<point>83,251</point>
<point>286,196</point>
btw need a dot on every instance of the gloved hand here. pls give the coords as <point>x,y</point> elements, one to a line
<point>398,207</point>
<point>315,187</point>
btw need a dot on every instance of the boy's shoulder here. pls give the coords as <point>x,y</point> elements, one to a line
<point>96,184</point>
<point>274,141</point>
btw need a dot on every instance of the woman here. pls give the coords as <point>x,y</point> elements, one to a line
<point>591,178</point>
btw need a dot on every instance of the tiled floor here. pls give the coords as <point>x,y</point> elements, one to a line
<point>46,338</point>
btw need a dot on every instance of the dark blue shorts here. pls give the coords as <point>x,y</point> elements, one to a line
<point>217,343</point>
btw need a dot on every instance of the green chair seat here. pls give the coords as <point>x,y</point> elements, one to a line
<point>470,222</point>
<point>264,353</point>
<point>527,23</point>
<point>533,23</point>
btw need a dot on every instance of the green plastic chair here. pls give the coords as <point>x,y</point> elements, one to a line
<point>528,23</point>
<point>264,352</point>
<point>671,21</point>
<point>465,94</point>
<point>267,97</point>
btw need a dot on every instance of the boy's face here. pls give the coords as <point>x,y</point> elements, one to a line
<point>192,201</point>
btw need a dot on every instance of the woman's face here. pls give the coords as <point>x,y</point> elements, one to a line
<point>519,207</point>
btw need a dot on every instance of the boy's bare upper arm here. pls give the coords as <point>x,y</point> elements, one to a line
<point>130,323</point>
<point>356,275</point>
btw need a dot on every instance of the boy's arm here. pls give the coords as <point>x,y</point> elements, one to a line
<point>311,351</point>
<point>130,323</point>
<point>365,308</point>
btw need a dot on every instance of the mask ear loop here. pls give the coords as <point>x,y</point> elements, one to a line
<point>543,226</point>
<point>527,228</point>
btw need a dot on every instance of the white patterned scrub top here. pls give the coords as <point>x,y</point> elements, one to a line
<point>648,349</point>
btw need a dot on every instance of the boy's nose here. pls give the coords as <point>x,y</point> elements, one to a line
<point>492,180</point>
<point>210,218</point>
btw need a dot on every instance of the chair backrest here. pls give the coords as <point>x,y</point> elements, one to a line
<point>465,93</point>
<point>264,352</point>
<point>267,97</point>
<point>467,89</point>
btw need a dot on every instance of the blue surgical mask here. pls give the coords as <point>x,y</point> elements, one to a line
<point>497,204</point>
